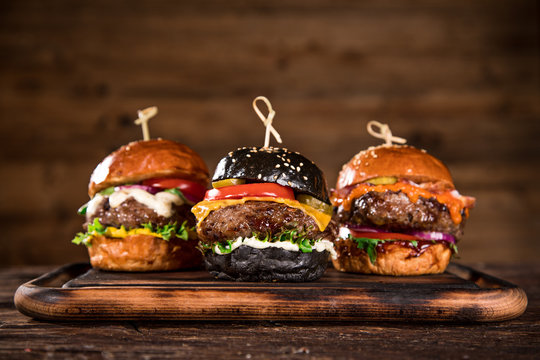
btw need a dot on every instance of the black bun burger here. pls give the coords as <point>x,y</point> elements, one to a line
<point>266,218</point>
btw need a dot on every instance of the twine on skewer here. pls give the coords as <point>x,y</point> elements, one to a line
<point>383,133</point>
<point>267,120</point>
<point>144,116</point>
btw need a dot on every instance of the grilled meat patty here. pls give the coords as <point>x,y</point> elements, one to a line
<point>260,217</point>
<point>131,214</point>
<point>394,212</point>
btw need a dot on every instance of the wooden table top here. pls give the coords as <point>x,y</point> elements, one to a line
<point>22,337</point>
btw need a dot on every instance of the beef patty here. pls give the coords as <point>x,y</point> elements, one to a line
<point>131,214</point>
<point>260,217</point>
<point>394,212</point>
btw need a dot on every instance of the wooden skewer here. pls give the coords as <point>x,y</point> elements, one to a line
<point>267,120</point>
<point>144,116</point>
<point>383,133</point>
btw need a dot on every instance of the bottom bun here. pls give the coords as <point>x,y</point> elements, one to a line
<point>394,260</point>
<point>271,264</point>
<point>143,253</point>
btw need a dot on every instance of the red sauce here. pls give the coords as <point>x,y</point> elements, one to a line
<point>350,248</point>
<point>415,250</point>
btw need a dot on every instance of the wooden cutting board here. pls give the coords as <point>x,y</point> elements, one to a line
<point>77,292</point>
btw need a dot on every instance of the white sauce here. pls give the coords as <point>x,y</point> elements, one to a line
<point>94,204</point>
<point>253,242</point>
<point>161,202</point>
<point>344,233</point>
<point>101,171</point>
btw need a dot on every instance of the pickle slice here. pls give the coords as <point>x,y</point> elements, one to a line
<point>227,182</point>
<point>382,180</point>
<point>315,203</point>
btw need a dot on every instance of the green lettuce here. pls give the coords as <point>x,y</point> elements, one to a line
<point>293,236</point>
<point>167,232</point>
<point>171,230</point>
<point>94,228</point>
<point>370,246</point>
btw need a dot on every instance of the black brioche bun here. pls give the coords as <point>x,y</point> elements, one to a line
<point>265,265</point>
<point>274,165</point>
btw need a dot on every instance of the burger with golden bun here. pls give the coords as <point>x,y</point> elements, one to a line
<point>398,211</point>
<point>139,216</point>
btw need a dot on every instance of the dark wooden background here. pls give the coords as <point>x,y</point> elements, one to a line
<point>459,78</point>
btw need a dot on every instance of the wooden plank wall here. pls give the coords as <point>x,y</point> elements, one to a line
<point>459,78</point>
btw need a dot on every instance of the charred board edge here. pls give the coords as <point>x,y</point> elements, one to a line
<point>494,300</point>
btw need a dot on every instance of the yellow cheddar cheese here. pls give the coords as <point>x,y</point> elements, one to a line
<point>202,209</point>
<point>122,232</point>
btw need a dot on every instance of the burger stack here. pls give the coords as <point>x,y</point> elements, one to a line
<point>269,216</point>
<point>139,216</point>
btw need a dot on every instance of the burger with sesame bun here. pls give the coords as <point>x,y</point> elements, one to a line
<point>266,218</point>
<point>139,216</point>
<point>398,212</point>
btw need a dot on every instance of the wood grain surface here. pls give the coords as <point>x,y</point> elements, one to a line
<point>24,338</point>
<point>193,295</point>
<point>459,78</point>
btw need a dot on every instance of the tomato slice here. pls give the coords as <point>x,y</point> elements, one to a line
<point>191,189</point>
<point>245,190</point>
<point>383,236</point>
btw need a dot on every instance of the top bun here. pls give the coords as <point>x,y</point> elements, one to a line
<point>401,161</point>
<point>147,159</point>
<point>274,165</point>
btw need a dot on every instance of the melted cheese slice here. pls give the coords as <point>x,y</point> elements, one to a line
<point>202,209</point>
<point>121,233</point>
<point>451,198</point>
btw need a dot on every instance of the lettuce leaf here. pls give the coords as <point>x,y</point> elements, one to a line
<point>166,232</point>
<point>84,238</point>
<point>370,246</point>
<point>293,236</point>
<point>171,230</point>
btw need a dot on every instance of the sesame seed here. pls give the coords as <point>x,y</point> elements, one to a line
<point>298,168</point>
<point>301,164</point>
<point>275,177</point>
<point>290,183</point>
<point>233,160</point>
<point>286,164</point>
<point>305,177</point>
<point>288,160</point>
<point>230,154</point>
<point>248,155</point>
<point>277,166</point>
<point>259,176</point>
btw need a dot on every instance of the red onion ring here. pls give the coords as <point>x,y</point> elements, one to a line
<point>425,235</point>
